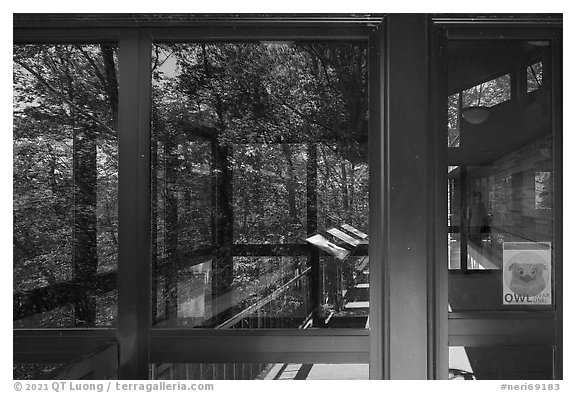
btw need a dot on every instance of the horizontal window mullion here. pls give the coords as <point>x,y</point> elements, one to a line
<point>325,349</point>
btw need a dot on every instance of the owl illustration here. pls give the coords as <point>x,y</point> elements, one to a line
<point>527,278</point>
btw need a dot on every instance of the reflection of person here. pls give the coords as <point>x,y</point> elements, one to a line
<point>476,218</point>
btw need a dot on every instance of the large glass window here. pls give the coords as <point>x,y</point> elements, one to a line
<point>258,147</point>
<point>65,185</point>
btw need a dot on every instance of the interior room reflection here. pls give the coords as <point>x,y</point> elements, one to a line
<point>500,186</point>
<point>500,170</point>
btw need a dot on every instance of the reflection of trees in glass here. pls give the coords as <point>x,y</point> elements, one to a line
<point>454,120</point>
<point>232,130</point>
<point>543,190</point>
<point>342,188</point>
<point>489,93</point>
<point>269,194</point>
<point>534,76</point>
<point>33,370</point>
<point>65,180</point>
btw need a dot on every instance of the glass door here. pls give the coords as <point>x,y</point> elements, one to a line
<point>502,170</point>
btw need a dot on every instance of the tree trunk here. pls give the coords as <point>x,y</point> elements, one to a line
<point>171,231</point>
<point>154,212</point>
<point>85,246</point>
<point>291,188</point>
<point>223,267</point>
<point>311,227</point>
<point>107,51</point>
<point>344,189</point>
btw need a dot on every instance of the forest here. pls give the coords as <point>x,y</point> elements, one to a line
<point>255,146</point>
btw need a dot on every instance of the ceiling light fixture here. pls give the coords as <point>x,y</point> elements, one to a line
<point>476,114</point>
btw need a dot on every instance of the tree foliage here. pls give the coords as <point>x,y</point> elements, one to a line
<point>233,127</point>
<point>65,175</point>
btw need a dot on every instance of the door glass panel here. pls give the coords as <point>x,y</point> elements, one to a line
<point>260,185</point>
<point>500,176</point>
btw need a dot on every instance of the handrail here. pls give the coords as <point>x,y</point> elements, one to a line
<point>34,301</point>
<point>259,304</point>
<point>497,230</point>
<point>493,229</point>
<point>38,300</point>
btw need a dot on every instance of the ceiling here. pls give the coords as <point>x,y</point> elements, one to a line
<point>472,62</point>
<point>511,124</point>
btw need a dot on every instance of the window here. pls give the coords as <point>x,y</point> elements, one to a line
<point>258,146</point>
<point>215,162</point>
<point>543,196</point>
<point>496,199</point>
<point>454,108</point>
<point>65,185</point>
<point>469,105</point>
<point>490,93</point>
<point>534,76</point>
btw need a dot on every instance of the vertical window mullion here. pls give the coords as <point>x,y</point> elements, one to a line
<point>378,225</point>
<point>134,206</point>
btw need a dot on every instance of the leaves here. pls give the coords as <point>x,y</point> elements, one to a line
<point>233,124</point>
<point>63,95</point>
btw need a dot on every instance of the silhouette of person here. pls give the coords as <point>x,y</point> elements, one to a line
<point>477,220</point>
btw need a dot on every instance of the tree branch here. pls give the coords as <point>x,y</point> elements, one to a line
<point>39,77</point>
<point>98,73</point>
<point>307,118</point>
<point>325,69</point>
<point>111,84</point>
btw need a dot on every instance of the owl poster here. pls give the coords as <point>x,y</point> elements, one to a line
<point>526,273</point>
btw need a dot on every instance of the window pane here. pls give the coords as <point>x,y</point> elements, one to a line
<point>454,120</point>
<point>454,256</point>
<point>501,190</point>
<point>534,76</point>
<point>65,185</point>
<point>256,148</point>
<point>488,93</point>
